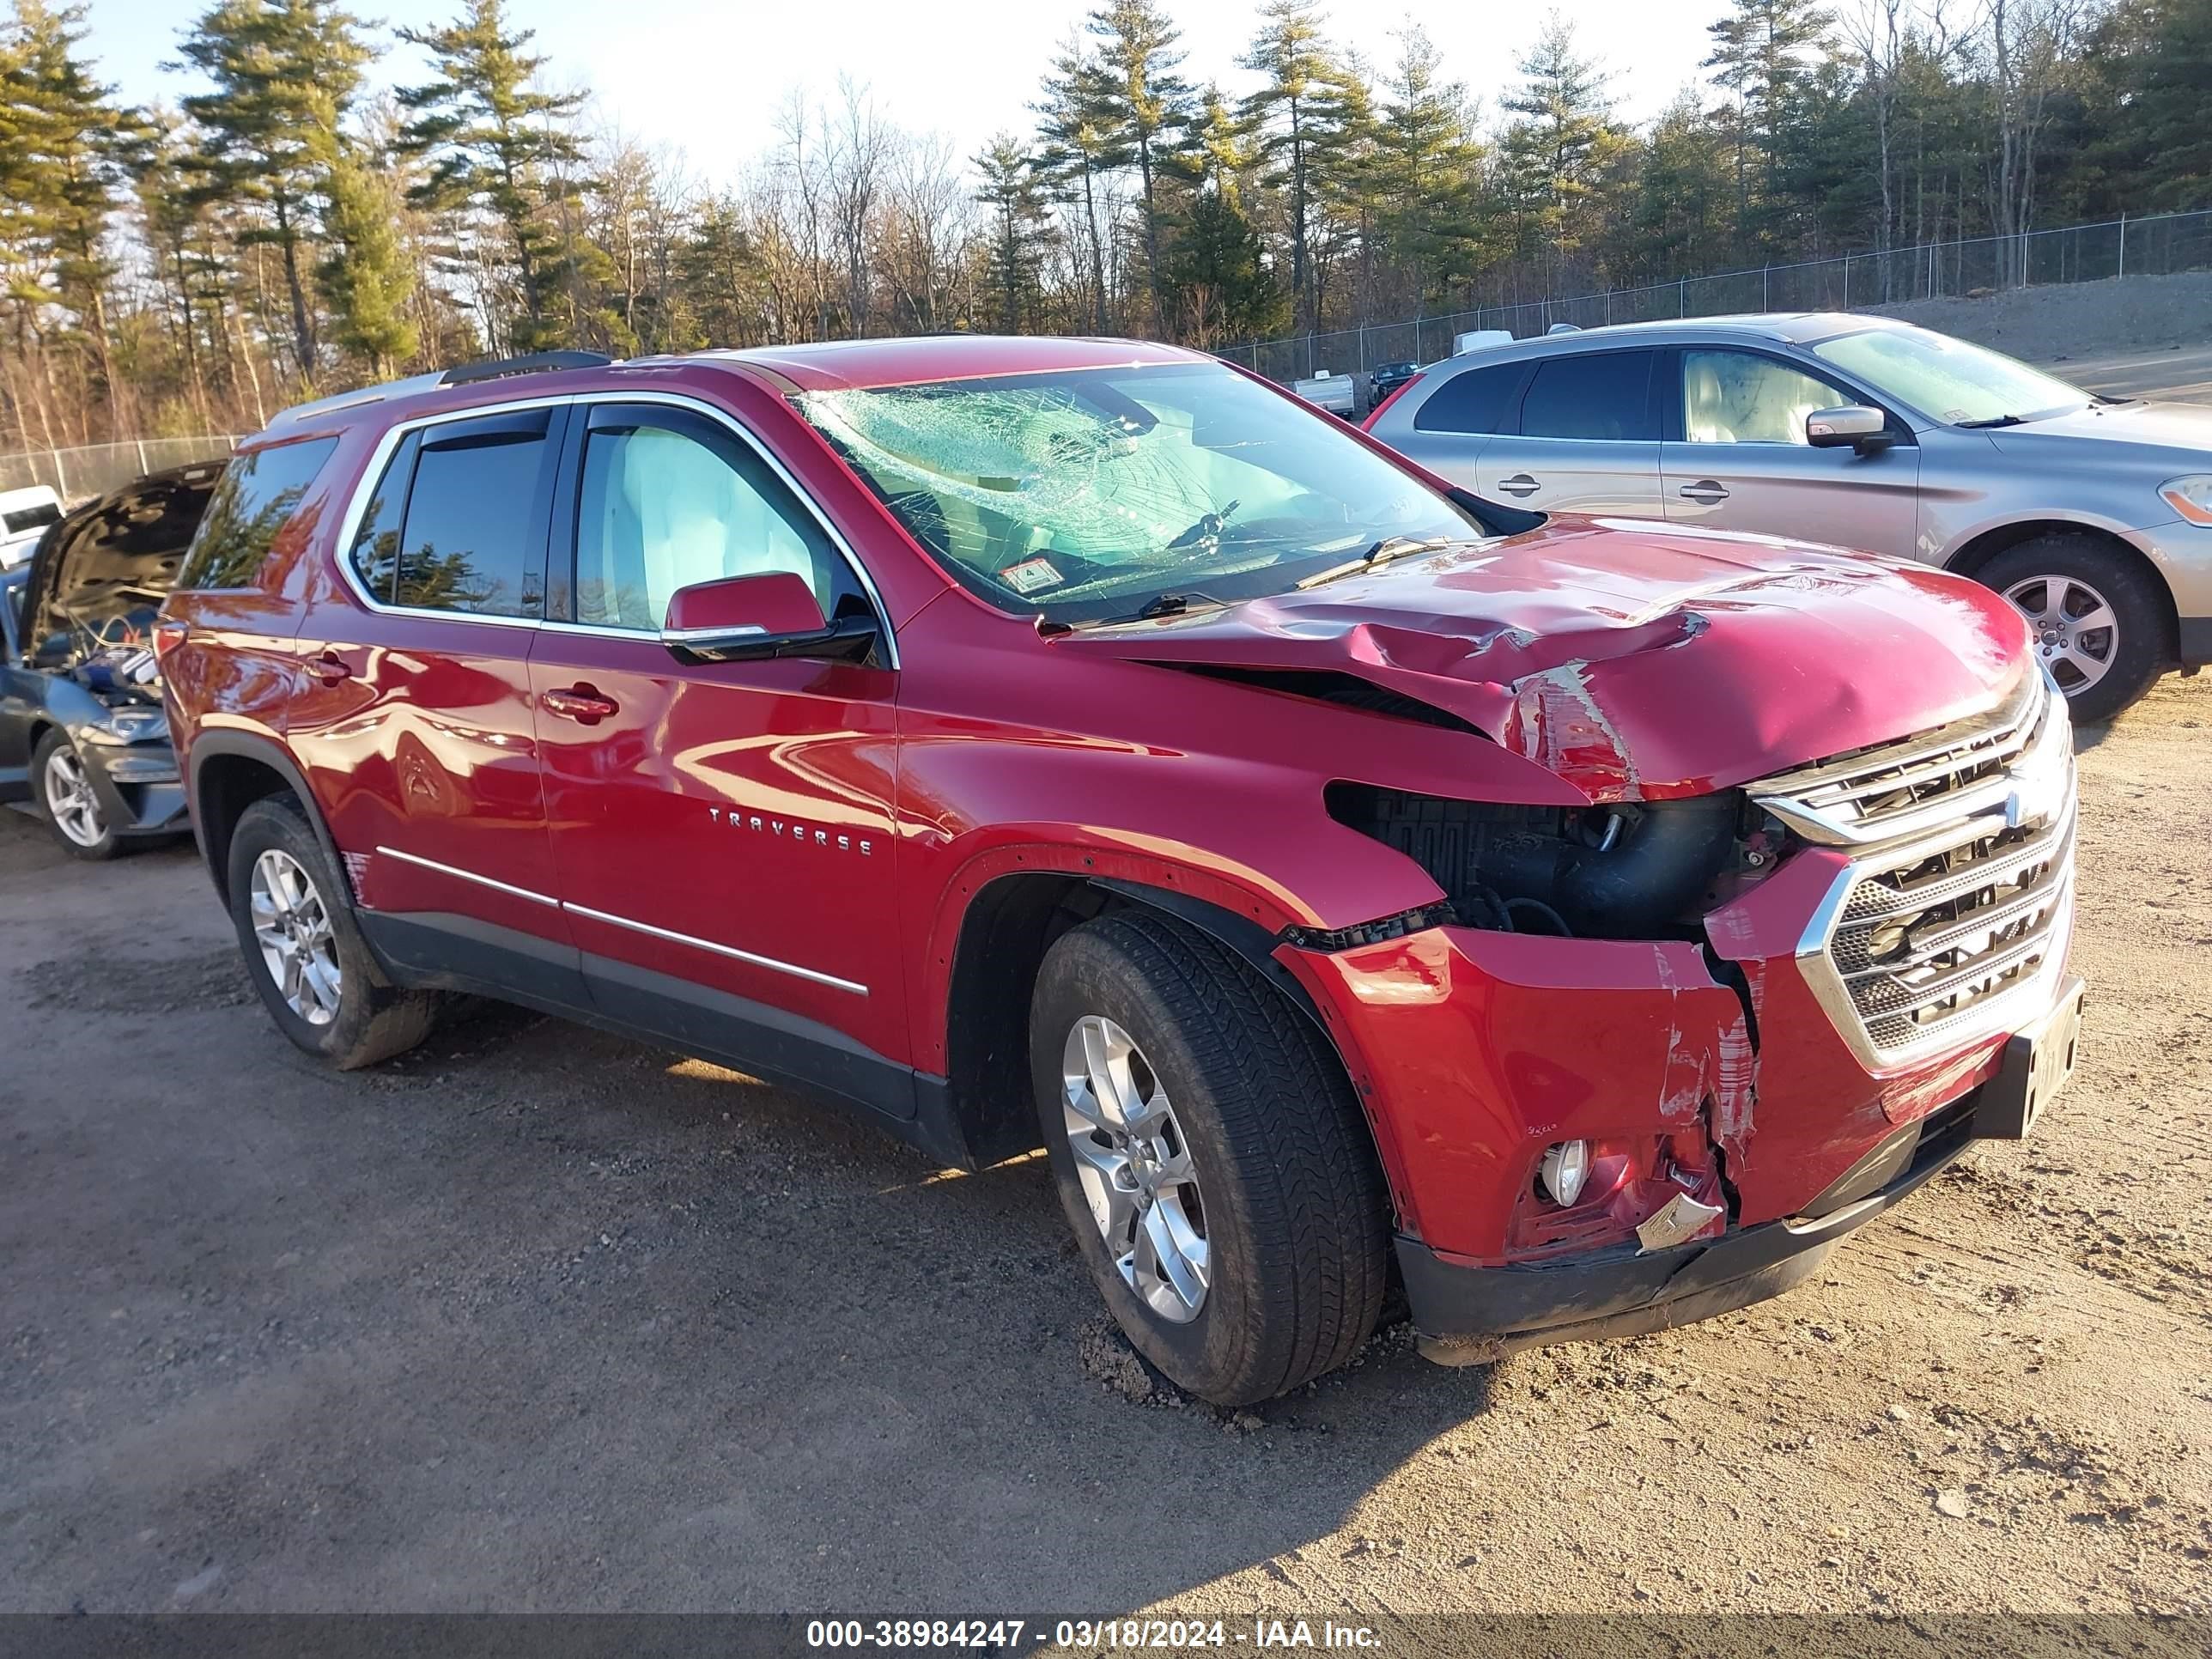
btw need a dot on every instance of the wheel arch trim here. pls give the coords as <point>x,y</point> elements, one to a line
<point>249,746</point>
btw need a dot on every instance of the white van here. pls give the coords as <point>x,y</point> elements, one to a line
<point>24,516</point>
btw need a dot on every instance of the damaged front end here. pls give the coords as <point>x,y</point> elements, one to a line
<point>1663,1053</point>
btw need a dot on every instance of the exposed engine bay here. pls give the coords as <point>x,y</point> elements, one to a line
<point>1630,870</point>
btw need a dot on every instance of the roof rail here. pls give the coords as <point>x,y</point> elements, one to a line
<point>489,369</point>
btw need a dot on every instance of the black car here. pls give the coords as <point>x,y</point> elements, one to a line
<point>82,734</point>
<point>1386,377</point>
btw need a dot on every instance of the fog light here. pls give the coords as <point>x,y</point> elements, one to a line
<point>1565,1166</point>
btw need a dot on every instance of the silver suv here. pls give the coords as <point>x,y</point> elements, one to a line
<point>2092,515</point>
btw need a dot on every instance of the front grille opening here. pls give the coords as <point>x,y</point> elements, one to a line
<point>1645,870</point>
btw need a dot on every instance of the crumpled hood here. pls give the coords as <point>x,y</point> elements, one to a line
<point>1636,660</point>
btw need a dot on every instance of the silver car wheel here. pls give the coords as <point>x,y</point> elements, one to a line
<point>294,932</point>
<point>1135,1168</point>
<point>69,800</point>
<point>2076,631</point>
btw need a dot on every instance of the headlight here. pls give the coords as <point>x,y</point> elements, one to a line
<point>2192,497</point>
<point>130,725</point>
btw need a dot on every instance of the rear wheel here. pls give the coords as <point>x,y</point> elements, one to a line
<point>68,803</point>
<point>2098,618</point>
<point>306,959</point>
<point>1211,1157</point>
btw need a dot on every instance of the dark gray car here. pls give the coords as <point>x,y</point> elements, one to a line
<point>2092,515</point>
<point>82,733</point>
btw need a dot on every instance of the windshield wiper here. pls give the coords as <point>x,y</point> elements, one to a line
<point>1396,547</point>
<point>1160,604</point>
<point>1994,420</point>
<point>1390,548</point>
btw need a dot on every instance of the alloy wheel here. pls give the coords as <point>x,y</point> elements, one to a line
<point>2076,631</point>
<point>1135,1167</point>
<point>293,928</point>
<point>69,800</point>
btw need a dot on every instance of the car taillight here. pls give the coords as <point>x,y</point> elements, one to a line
<point>168,633</point>
<point>1375,413</point>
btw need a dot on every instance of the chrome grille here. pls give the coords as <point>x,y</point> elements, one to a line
<point>1958,896</point>
<point>1899,788</point>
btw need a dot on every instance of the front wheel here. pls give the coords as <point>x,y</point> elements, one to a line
<point>2098,618</point>
<point>1211,1156</point>
<point>68,802</point>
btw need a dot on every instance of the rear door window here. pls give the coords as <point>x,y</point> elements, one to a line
<point>458,521</point>
<point>1474,400</point>
<point>256,498</point>
<point>1602,395</point>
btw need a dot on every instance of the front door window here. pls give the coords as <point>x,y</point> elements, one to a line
<point>1740,397</point>
<point>666,502</point>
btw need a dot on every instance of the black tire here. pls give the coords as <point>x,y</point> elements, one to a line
<point>1296,1216</point>
<point>107,844</point>
<point>374,1019</point>
<point>2139,647</point>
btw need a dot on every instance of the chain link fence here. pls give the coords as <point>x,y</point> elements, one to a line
<point>78,475</point>
<point>2158,246</point>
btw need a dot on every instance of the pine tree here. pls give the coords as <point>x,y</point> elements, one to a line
<point>1018,230</point>
<point>1564,139</point>
<point>1305,109</point>
<point>1080,146</point>
<point>1146,105</point>
<point>498,144</point>
<point>1423,167</point>
<point>367,278</point>
<point>1762,52</point>
<point>1216,266</point>
<point>285,72</point>
<point>69,151</point>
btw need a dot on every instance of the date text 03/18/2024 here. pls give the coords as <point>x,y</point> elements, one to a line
<point>1015,1635</point>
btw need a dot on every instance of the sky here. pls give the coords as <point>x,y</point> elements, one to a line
<point>707,78</point>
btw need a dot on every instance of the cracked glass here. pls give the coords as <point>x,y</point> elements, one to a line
<point>1084,496</point>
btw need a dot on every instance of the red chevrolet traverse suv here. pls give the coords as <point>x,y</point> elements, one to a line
<point>1586,922</point>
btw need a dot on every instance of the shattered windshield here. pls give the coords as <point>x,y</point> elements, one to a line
<point>1093,495</point>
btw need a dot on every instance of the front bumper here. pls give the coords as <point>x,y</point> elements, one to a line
<point>138,786</point>
<point>1465,1315</point>
<point>2183,555</point>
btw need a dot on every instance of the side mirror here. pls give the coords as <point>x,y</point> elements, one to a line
<point>752,618</point>
<point>1853,426</point>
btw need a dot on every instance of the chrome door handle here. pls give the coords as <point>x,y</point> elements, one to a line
<point>1519,485</point>
<point>1706,491</point>
<point>329,668</point>
<point>585,704</point>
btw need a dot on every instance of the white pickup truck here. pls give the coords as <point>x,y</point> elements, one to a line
<point>1337,393</point>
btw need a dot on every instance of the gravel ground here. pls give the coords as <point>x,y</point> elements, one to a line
<point>536,1319</point>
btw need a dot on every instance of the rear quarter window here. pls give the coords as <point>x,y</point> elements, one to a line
<point>1477,400</point>
<point>259,494</point>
